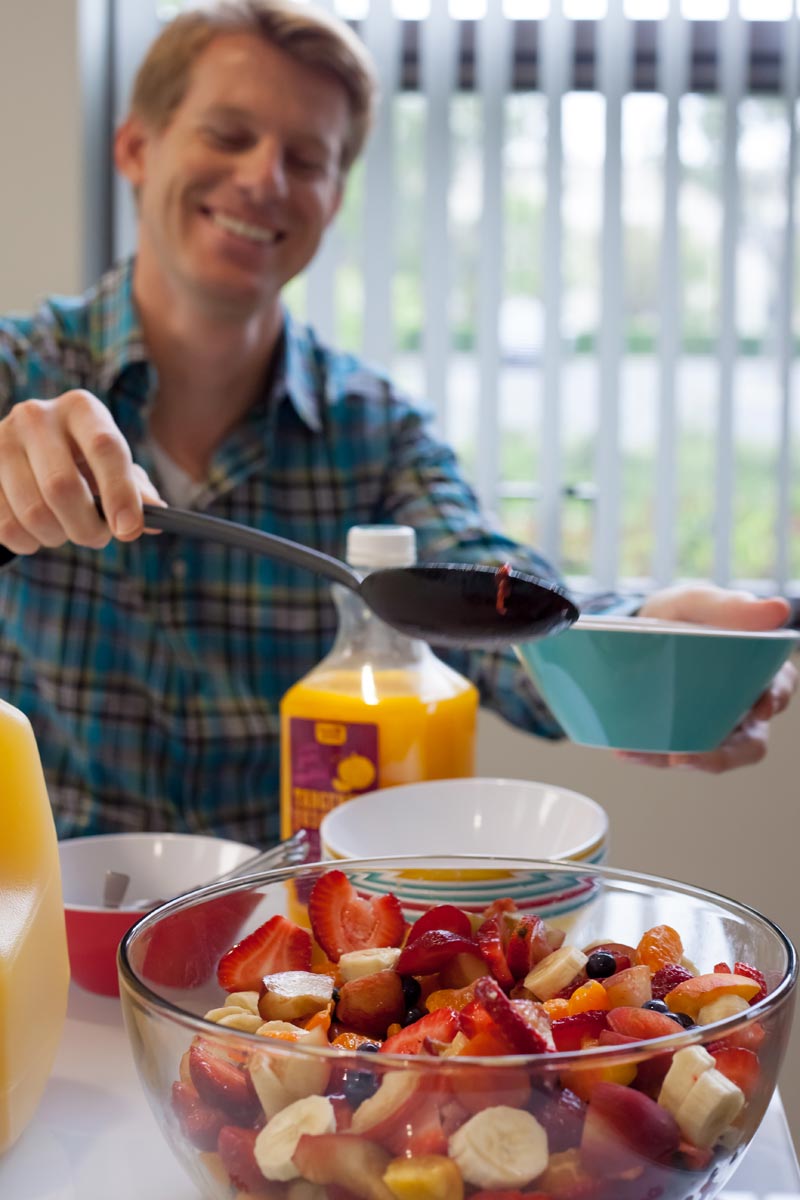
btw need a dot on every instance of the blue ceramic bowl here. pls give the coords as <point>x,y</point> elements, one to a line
<point>632,683</point>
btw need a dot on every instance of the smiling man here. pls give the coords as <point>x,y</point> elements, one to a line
<point>152,667</point>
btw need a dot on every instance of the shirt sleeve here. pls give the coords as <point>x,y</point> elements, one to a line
<point>12,365</point>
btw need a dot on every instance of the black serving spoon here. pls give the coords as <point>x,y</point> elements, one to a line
<point>448,604</point>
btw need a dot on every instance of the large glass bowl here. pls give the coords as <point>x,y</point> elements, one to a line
<point>606,1137</point>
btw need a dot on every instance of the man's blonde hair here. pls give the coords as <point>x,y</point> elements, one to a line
<point>307,33</point>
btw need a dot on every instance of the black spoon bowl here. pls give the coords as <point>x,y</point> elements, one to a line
<point>448,604</point>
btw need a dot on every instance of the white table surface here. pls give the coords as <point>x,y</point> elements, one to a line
<point>94,1136</point>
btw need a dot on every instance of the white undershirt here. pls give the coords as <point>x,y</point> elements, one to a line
<point>177,486</point>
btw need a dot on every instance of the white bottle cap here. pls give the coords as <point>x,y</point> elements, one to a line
<point>372,546</point>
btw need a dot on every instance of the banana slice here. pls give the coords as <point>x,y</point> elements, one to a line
<point>709,1108</point>
<point>354,964</point>
<point>500,1147</point>
<point>722,1007</point>
<point>277,1141</point>
<point>685,1069</point>
<point>555,972</point>
<point>246,1000</point>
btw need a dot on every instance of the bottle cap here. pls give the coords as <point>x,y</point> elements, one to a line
<point>372,546</point>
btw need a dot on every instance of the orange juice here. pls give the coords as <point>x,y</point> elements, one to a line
<point>347,731</point>
<point>34,970</point>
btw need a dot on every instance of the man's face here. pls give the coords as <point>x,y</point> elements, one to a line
<point>235,193</point>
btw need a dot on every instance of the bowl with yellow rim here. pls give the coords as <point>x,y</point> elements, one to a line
<point>480,816</point>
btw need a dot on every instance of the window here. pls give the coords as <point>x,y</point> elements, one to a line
<point>575,235</point>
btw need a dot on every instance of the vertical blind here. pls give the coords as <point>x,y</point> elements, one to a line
<point>630,443</point>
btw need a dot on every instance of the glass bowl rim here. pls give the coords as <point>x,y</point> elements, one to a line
<point>611,1054</point>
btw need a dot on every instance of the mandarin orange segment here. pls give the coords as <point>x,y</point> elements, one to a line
<point>350,1040</point>
<point>660,946</point>
<point>456,998</point>
<point>582,1080</point>
<point>557,1008</point>
<point>591,997</point>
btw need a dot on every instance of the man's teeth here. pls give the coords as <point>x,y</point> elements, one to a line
<point>243,228</point>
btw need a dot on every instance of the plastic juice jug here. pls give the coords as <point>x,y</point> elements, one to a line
<point>34,969</point>
<point>380,709</point>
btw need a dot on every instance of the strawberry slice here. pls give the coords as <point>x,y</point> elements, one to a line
<point>441,916</point>
<point>277,945</point>
<point>441,1025</point>
<point>474,1019</point>
<point>236,1148</point>
<point>741,968</point>
<point>432,950</point>
<point>525,945</point>
<point>490,945</point>
<point>739,1065</point>
<point>569,1033</point>
<point>221,1084</point>
<point>199,1121</point>
<point>422,1135</point>
<point>343,921</point>
<point>523,1023</point>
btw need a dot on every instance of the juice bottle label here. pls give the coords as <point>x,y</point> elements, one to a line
<point>329,761</point>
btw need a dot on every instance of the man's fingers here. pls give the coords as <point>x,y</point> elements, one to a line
<point>777,697</point>
<point>98,441</point>
<point>707,605</point>
<point>745,747</point>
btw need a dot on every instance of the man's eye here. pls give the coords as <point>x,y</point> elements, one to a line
<point>228,139</point>
<point>307,164</point>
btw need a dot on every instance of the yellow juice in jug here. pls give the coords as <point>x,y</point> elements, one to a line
<point>344,732</point>
<point>34,970</point>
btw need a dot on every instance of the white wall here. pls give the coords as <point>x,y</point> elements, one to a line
<point>737,834</point>
<point>41,186</point>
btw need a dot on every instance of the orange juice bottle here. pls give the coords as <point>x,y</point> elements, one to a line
<point>34,970</point>
<point>380,709</point>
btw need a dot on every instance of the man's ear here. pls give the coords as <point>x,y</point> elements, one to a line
<point>130,145</point>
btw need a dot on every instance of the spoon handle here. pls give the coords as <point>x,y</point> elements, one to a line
<point>284,854</point>
<point>242,537</point>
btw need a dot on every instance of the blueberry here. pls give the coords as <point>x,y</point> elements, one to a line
<point>368,1048</point>
<point>657,1006</point>
<point>411,990</point>
<point>335,995</point>
<point>358,1086</point>
<point>600,965</point>
<point>413,1014</point>
<point>682,1018</point>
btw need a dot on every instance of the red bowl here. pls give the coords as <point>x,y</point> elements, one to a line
<point>159,865</point>
<point>92,938</point>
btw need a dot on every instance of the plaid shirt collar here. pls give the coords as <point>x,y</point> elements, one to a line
<point>117,344</point>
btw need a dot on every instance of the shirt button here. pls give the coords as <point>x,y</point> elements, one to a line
<point>179,568</point>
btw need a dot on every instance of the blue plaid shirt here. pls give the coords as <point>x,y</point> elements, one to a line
<point>152,671</point>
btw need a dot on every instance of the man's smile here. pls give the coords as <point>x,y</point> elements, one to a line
<point>242,228</point>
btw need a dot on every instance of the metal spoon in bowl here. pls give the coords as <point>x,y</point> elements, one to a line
<point>449,604</point>
<point>284,854</point>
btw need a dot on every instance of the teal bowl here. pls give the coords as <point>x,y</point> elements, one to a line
<point>631,683</point>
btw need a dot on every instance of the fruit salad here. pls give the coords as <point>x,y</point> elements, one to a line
<point>466,1056</point>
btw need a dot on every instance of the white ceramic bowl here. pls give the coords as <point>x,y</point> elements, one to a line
<point>468,816</point>
<point>160,866</point>
<point>483,817</point>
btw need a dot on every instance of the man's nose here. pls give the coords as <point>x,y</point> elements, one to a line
<point>262,171</point>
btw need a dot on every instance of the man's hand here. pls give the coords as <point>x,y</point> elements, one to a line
<point>747,744</point>
<point>55,456</point>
